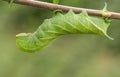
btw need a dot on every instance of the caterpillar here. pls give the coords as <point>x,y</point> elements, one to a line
<point>62,24</point>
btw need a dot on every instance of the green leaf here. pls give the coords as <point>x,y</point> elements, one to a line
<point>62,24</point>
<point>11,2</point>
<point>55,1</point>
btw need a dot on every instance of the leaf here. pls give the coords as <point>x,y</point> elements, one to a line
<point>55,1</point>
<point>11,2</point>
<point>60,24</point>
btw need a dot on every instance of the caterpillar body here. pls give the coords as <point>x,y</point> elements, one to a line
<point>69,23</point>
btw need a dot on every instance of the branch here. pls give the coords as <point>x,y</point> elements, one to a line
<point>51,6</point>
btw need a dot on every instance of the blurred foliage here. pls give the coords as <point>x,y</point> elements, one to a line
<point>67,56</point>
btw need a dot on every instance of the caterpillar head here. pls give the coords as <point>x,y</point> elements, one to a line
<point>21,40</point>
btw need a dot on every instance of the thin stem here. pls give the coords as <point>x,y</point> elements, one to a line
<point>51,6</point>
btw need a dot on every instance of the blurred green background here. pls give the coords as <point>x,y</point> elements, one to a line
<point>67,56</point>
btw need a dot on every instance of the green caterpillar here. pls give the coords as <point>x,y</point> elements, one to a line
<point>69,23</point>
